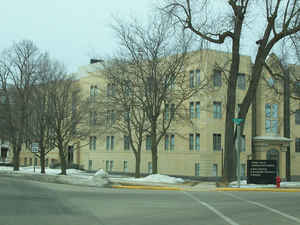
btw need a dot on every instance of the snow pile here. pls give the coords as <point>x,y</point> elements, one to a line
<point>101,173</point>
<point>157,178</point>
<point>49,171</point>
<point>245,185</point>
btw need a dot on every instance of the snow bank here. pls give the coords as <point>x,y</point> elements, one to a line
<point>158,178</point>
<point>101,173</point>
<point>245,185</point>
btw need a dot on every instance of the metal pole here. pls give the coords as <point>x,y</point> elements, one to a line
<point>238,165</point>
<point>34,164</point>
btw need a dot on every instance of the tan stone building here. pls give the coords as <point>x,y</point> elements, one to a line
<point>195,148</point>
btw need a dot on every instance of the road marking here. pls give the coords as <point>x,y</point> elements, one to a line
<point>227,219</point>
<point>266,207</point>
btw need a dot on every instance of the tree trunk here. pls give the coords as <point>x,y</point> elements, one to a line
<point>16,158</point>
<point>229,153</point>
<point>63,162</point>
<point>42,159</point>
<point>137,164</point>
<point>154,149</point>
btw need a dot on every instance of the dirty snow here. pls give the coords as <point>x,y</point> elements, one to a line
<point>49,171</point>
<point>158,178</point>
<point>244,184</point>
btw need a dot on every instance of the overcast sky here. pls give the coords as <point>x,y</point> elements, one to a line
<point>72,31</point>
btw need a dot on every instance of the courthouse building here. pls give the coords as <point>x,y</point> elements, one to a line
<point>195,148</point>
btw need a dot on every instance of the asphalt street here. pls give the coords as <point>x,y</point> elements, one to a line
<point>25,202</point>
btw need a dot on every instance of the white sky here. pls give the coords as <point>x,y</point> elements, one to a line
<point>72,31</point>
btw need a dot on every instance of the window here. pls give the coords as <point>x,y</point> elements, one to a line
<point>110,118</point>
<point>167,112</point>
<point>297,145</point>
<point>126,143</point>
<point>191,142</point>
<point>169,142</point>
<point>197,144</point>
<point>194,142</point>
<point>197,169</point>
<point>30,161</point>
<point>297,88</point>
<point>195,78</point>
<point>172,110</point>
<point>243,144</point>
<point>170,82</point>
<point>110,90</point>
<point>93,92</point>
<point>93,117</point>
<point>25,161</point>
<point>271,113</point>
<point>217,111</point>
<point>197,110</point>
<point>109,165</point>
<point>243,170</point>
<point>217,78</point>
<point>148,143</point>
<point>125,166</point>
<point>194,110</point>
<point>93,143</point>
<point>217,142</point>
<point>127,116</point>
<point>198,78</point>
<point>241,81</point>
<point>149,167</point>
<point>110,143</point>
<point>172,145</point>
<point>215,170</point>
<point>192,84</point>
<point>271,82</point>
<point>90,164</point>
<point>297,117</point>
<point>191,110</point>
<point>47,162</point>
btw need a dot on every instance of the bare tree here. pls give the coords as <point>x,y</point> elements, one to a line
<point>280,20</point>
<point>155,56</point>
<point>69,113</point>
<point>19,70</point>
<point>40,127</point>
<point>121,107</point>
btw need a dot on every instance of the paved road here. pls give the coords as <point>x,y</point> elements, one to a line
<point>32,203</point>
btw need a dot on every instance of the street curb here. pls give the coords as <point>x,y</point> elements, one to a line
<point>148,187</point>
<point>259,189</point>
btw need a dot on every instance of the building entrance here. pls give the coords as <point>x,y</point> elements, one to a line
<point>3,154</point>
<point>273,154</point>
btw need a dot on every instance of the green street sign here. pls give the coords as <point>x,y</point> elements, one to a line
<point>238,120</point>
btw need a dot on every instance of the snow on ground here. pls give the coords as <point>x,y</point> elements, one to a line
<point>282,184</point>
<point>158,178</point>
<point>49,171</point>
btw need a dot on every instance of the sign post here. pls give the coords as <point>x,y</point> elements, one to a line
<point>34,149</point>
<point>238,122</point>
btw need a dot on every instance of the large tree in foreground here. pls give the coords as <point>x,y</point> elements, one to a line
<point>279,19</point>
<point>19,72</point>
<point>69,111</point>
<point>154,56</point>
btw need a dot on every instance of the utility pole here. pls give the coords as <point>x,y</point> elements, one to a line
<point>286,118</point>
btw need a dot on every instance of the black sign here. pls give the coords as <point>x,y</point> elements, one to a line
<point>261,171</point>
